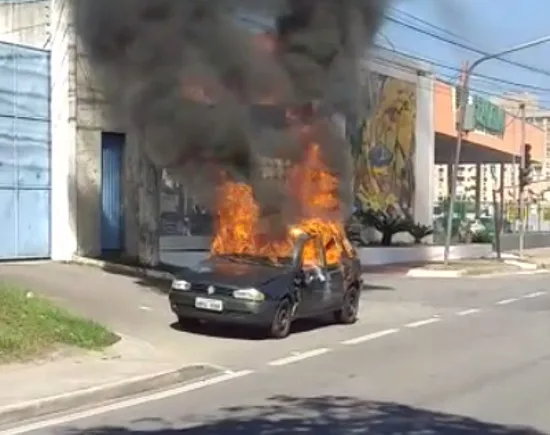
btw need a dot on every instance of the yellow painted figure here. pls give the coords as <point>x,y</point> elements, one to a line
<point>384,175</point>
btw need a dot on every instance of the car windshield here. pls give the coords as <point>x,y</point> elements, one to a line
<point>257,259</point>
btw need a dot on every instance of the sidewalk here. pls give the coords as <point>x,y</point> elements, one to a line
<point>152,353</point>
<point>539,256</point>
<point>130,306</point>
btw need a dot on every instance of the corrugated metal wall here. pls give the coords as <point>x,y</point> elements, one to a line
<point>112,230</point>
<point>24,152</point>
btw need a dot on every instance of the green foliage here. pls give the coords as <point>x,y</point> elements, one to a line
<point>484,236</point>
<point>418,232</point>
<point>387,222</point>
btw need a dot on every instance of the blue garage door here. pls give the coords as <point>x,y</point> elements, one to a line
<point>24,152</point>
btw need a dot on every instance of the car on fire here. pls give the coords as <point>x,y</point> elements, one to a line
<point>267,293</point>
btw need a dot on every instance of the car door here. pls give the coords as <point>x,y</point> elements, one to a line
<point>315,293</point>
<point>335,273</point>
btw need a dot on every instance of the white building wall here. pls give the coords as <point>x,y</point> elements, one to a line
<point>63,118</point>
<point>25,23</point>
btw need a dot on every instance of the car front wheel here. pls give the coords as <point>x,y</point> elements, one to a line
<point>349,311</point>
<point>282,320</point>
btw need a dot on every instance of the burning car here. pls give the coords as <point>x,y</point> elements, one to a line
<point>272,292</point>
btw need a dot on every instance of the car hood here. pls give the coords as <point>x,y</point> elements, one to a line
<point>221,271</point>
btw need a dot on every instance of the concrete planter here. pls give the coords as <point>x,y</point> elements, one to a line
<point>189,251</point>
<point>380,255</point>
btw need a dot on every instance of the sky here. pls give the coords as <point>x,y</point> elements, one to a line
<point>417,27</point>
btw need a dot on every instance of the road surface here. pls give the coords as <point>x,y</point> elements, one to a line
<point>471,357</point>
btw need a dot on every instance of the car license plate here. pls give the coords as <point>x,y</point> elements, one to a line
<point>209,304</point>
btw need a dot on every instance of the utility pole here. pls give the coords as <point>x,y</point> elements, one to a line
<point>522,218</point>
<point>454,168</point>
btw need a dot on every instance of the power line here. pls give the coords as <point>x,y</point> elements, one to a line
<point>427,23</point>
<point>454,68</point>
<point>466,46</point>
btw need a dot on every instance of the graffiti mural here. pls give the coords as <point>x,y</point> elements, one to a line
<point>384,172</point>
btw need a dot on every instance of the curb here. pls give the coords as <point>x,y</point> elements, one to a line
<point>123,268</point>
<point>88,397</point>
<point>522,264</point>
<point>521,268</point>
<point>433,273</point>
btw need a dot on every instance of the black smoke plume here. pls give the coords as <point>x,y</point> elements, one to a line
<point>206,99</point>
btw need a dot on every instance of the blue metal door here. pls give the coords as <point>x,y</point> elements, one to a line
<point>112,229</point>
<point>25,160</point>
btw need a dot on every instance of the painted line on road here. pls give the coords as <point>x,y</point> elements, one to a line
<point>534,295</point>
<point>128,403</point>
<point>424,322</point>
<point>369,337</point>
<point>298,357</point>
<point>468,312</point>
<point>507,301</point>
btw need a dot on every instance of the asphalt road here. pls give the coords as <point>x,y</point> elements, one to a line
<point>472,358</point>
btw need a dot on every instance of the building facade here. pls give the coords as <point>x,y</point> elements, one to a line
<point>97,194</point>
<point>491,152</point>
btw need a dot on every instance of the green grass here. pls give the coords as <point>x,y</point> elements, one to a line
<point>31,326</point>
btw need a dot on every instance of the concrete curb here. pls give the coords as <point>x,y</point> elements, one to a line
<point>123,268</point>
<point>421,272</point>
<point>521,268</point>
<point>88,397</point>
<point>522,264</point>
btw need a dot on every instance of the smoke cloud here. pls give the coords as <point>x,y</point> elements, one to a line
<point>207,98</point>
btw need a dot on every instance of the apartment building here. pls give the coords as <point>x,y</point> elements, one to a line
<point>489,180</point>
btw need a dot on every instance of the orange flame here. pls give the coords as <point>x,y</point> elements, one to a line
<point>315,190</point>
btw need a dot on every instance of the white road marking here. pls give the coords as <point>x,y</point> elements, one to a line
<point>507,301</point>
<point>423,322</point>
<point>534,295</point>
<point>298,357</point>
<point>128,403</point>
<point>369,337</point>
<point>145,308</point>
<point>468,312</point>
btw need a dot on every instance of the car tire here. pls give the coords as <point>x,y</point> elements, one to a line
<point>349,311</point>
<point>282,320</point>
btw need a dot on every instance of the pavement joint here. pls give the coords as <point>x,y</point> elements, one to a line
<point>535,295</point>
<point>369,337</point>
<point>299,357</point>
<point>424,322</point>
<point>507,301</point>
<point>469,312</point>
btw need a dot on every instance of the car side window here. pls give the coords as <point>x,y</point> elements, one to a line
<point>311,255</point>
<point>333,253</point>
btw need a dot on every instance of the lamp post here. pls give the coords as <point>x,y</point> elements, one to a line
<point>460,128</point>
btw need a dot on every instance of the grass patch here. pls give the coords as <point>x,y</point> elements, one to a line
<point>31,326</point>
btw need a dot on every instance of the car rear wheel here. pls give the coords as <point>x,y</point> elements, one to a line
<point>349,311</point>
<point>282,320</point>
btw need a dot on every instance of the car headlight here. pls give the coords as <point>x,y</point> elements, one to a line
<point>181,284</point>
<point>249,294</point>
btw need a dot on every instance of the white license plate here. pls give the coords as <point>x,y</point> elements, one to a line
<point>209,304</point>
